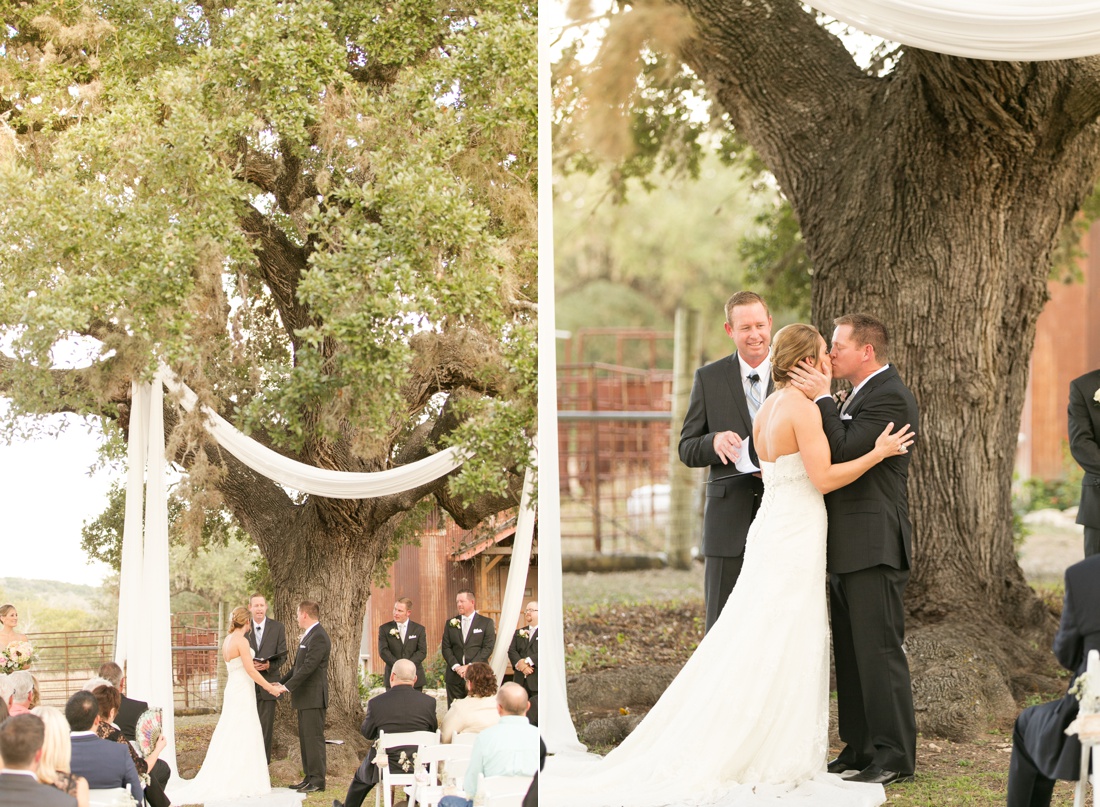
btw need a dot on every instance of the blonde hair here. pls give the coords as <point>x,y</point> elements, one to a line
<point>791,345</point>
<point>6,609</point>
<point>239,618</point>
<point>57,749</point>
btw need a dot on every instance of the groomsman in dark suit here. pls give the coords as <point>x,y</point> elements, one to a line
<point>869,554</point>
<point>403,638</point>
<point>267,638</point>
<point>1084,444</point>
<point>1041,750</point>
<point>400,708</point>
<point>21,740</point>
<point>523,653</point>
<point>307,682</point>
<point>725,397</point>
<point>467,637</point>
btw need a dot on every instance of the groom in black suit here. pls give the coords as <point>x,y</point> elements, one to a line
<point>869,555</point>
<point>1084,444</point>
<point>401,638</point>
<point>1041,750</point>
<point>725,397</point>
<point>467,638</point>
<point>267,638</point>
<point>307,682</point>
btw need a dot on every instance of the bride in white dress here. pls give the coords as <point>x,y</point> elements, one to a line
<point>746,720</point>
<point>234,771</point>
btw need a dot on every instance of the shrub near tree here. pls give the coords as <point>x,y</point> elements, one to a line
<point>321,214</point>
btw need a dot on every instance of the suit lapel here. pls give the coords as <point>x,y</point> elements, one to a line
<point>868,388</point>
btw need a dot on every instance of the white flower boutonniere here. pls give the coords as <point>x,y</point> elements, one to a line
<point>454,622</point>
<point>395,632</point>
<point>524,633</point>
<point>1096,396</point>
<point>840,396</point>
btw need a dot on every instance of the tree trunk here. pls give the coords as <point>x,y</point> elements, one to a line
<point>932,198</point>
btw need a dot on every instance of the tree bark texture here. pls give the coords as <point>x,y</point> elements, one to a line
<point>932,198</point>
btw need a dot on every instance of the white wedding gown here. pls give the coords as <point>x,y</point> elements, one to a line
<point>746,720</point>
<point>234,771</point>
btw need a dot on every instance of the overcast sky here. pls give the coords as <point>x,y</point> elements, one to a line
<point>46,494</point>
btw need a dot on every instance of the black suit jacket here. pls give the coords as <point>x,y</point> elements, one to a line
<point>308,678</point>
<point>105,765</point>
<point>1042,727</point>
<point>273,648</point>
<point>17,790</point>
<point>869,518</point>
<point>525,647</point>
<point>128,713</point>
<point>718,404</point>
<point>477,647</point>
<point>400,709</point>
<point>414,648</point>
<point>1084,443</point>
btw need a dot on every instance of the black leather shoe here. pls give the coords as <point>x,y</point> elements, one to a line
<point>840,766</point>
<point>309,788</point>
<point>337,803</point>
<point>874,775</point>
<point>302,783</point>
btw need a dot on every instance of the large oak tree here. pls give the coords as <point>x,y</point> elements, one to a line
<point>320,213</point>
<point>931,194</point>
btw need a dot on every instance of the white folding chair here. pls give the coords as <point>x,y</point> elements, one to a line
<point>1090,740</point>
<point>447,758</point>
<point>110,797</point>
<point>387,780</point>
<point>503,791</point>
<point>464,738</point>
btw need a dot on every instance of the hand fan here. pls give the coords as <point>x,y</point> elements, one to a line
<point>147,730</point>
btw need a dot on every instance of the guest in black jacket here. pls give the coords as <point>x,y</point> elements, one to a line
<point>401,708</point>
<point>1041,751</point>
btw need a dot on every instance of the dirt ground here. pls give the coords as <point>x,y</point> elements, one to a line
<point>629,619</point>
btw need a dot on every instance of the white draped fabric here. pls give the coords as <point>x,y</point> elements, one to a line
<point>517,576</point>
<point>144,640</point>
<point>1002,30</point>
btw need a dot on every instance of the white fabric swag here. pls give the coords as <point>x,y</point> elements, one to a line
<point>144,639</point>
<point>1000,30</point>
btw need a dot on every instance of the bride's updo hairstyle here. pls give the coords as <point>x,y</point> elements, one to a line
<point>239,618</point>
<point>791,345</point>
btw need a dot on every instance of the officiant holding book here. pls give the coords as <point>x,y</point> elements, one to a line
<point>268,639</point>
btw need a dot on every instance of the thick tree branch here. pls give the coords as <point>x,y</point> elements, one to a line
<point>281,266</point>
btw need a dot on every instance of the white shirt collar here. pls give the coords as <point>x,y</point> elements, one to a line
<point>90,733</point>
<point>311,627</point>
<point>20,771</point>
<point>863,383</point>
<point>764,369</point>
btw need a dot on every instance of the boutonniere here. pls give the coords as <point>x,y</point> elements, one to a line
<point>395,632</point>
<point>1096,396</point>
<point>455,622</point>
<point>840,396</point>
<point>524,633</point>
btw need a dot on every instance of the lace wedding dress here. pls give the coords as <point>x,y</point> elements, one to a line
<point>234,771</point>
<point>746,720</point>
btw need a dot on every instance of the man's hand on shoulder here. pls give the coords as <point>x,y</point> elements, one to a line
<point>727,445</point>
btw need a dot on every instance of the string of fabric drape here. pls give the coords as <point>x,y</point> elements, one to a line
<point>143,643</point>
<point>1001,30</point>
<point>517,576</point>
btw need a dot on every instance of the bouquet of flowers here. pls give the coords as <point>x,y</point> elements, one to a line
<point>18,656</point>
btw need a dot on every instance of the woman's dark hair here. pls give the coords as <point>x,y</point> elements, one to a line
<point>108,699</point>
<point>481,680</point>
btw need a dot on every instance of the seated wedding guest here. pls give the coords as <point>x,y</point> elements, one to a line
<point>478,710</point>
<point>21,747</point>
<point>510,748</point>
<point>57,752</point>
<point>22,686</point>
<point>8,620</point>
<point>131,709</point>
<point>104,764</point>
<point>108,699</point>
<point>400,708</point>
<point>1041,751</point>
